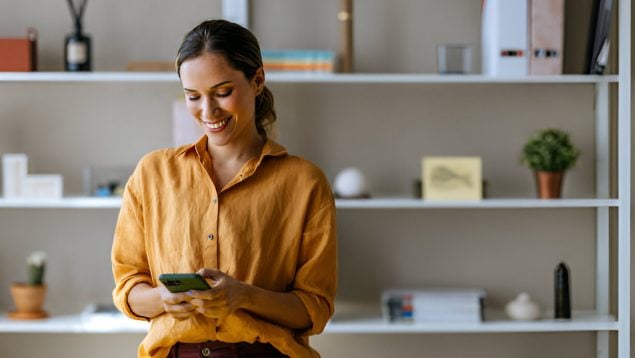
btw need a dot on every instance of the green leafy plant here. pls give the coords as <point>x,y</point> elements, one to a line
<point>550,150</point>
<point>36,263</point>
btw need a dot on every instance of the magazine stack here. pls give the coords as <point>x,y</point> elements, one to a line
<point>434,305</point>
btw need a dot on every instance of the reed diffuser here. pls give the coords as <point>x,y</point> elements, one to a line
<point>77,49</point>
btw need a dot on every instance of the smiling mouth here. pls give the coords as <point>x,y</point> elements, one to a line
<point>216,125</point>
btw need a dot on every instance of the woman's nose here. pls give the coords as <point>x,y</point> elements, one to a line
<point>211,109</point>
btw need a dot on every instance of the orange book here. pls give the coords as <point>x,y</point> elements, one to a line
<point>19,54</point>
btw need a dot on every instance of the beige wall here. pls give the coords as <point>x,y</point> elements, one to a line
<point>382,129</point>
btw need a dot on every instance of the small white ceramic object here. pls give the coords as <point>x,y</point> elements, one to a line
<point>522,308</point>
<point>350,183</point>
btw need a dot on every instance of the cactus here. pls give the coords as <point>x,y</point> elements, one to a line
<point>36,265</point>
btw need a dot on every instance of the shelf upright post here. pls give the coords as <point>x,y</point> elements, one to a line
<point>624,179</point>
<point>602,187</point>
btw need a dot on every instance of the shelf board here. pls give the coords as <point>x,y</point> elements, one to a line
<point>582,321</point>
<point>64,203</point>
<point>273,77</point>
<point>397,203</point>
<point>375,203</point>
<point>89,77</point>
<point>432,78</point>
<point>74,324</point>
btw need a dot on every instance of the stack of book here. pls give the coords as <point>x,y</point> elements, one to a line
<point>434,305</point>
<point>299,61</point>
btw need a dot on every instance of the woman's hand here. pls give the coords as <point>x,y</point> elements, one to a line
<point>228,294</point>
<point>178,305</point>
<point>225,296</point>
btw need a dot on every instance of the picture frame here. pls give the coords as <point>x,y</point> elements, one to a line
<point>452,178</point>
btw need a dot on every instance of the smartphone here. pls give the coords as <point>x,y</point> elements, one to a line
<point>181,282</point>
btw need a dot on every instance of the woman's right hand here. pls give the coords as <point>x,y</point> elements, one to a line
<point>177,304</point>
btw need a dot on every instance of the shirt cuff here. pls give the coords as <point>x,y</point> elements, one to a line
<point>121,293</point>
<point>319,311</point>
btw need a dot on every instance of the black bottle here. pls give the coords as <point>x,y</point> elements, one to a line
<point>77,51</point>
<point>562,283</point>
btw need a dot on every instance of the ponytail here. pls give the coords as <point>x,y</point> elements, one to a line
<point>265,112</point>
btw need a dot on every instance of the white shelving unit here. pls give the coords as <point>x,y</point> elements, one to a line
<point>599,321</point>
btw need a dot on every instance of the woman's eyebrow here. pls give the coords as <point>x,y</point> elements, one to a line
<point>212,87</point>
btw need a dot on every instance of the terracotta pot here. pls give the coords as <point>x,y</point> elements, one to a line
<point>28,301</point>
<point>549,184</point>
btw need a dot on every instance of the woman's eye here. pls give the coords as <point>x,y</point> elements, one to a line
<point>223,92</point>
<point>193,98</point>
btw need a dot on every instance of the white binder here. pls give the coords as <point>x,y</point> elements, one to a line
<point>504,38</point>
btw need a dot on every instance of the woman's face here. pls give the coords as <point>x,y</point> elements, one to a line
<point>220,98</point>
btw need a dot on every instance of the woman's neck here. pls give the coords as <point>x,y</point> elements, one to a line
<point>236,152</point>
<point>227,160</point>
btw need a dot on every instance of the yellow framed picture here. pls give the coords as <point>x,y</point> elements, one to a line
<point>452,178</point>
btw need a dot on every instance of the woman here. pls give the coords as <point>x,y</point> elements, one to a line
<point>256,222</point>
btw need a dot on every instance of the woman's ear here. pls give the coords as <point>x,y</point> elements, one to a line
<point>258,81</point>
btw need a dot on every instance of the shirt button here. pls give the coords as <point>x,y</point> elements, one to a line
<point>206,352</point>
<point>215,200</point>
<point>210,237</point>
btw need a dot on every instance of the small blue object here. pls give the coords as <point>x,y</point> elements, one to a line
<point>102,191</point>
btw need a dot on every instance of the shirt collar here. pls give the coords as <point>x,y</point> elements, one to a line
<point>271,148</point>
<point>198,146</point>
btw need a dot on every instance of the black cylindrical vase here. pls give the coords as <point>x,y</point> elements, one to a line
<point>562,283</point>
<point>77,50</point>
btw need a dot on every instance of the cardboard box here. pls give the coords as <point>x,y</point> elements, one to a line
<point>19,54</point>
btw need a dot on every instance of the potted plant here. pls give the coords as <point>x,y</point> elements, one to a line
<point>28,297</point>
<point>549,153</point>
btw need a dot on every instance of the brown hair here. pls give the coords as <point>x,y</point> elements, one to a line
<point>241,49</point>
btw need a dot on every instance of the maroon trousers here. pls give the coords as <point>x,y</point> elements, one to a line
<point>224,350</point>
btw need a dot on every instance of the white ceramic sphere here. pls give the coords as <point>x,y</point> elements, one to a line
<point>350,183</point>
<point>522,308</point>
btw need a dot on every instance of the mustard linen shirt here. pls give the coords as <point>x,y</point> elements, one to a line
<point>272,226</point>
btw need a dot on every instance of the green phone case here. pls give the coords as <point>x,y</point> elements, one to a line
<point>181,282</point>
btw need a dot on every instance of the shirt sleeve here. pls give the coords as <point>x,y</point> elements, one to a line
<point>316,277</point>
<point>129,259</point>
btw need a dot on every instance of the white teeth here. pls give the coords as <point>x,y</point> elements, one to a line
<point>217,124</point>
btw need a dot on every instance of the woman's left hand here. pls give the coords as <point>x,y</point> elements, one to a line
<point>225,296</point>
